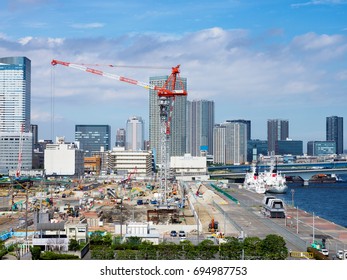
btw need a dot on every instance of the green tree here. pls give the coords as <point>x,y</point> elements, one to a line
<point>231,250</point>
<point>3,250</point>
<point>96,238</point>
<point>102,252</point>
<point>206,250</point>
<point>273,247</point>
<point>35,252</point>
<point>168,251</point>
<point>147,251</point>
<point>73,245</point>
<point>188,250</point>
<point>251,246</point>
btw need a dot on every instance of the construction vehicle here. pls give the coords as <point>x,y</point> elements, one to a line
<point>166,96</point>
<point>213,226</point>
<point>197,192</point>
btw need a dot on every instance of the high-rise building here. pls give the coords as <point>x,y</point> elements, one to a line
<point>93,137</point>
<point>178,125</point>
<point>120,137</point>
<point>236,143</point>
<point>334,132</point>
<point>135,131</point>
<point>200,123</point>
<point>15,94</point>
<point>248,126</point>
<point>219,144</point>
<point>15,107</point>
<point>34,130</point>
<point>276,130</point>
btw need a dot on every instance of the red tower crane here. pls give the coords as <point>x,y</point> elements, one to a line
<point>172,87</point>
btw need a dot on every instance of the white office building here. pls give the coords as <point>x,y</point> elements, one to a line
<point>135,131</point>
<point>64,159</point>
<point>122,161</point>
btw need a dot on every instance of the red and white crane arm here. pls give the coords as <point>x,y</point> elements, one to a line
<point>162,91</point>
<point>104,74</point>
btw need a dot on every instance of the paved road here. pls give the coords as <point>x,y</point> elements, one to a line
<point>247,216</point>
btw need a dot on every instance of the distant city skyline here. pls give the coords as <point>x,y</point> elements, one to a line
<point>255,60</point>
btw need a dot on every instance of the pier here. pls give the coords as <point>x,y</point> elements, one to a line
<point>299,228</point>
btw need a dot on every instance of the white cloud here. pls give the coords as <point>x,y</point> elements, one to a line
<point>88,25</point>
<point>319,2</point>
<point>227,66</point>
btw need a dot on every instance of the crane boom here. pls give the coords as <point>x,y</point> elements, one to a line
<point>162,91</point>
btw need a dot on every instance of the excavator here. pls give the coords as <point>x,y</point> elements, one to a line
<point>213,226</point>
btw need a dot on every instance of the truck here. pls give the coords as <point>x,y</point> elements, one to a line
<point>273,207</point>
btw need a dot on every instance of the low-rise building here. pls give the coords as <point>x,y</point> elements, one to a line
<point>64,159</point>
<point>122,161</point>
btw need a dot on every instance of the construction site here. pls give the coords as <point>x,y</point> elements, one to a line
<point>117,208</point>
<point>38,211</point>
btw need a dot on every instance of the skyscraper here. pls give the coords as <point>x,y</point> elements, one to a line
<point>178,126</point>
<point>93,137</point>
<point>200,122</point>
<point>15,94</point>
<point>235,143</point>
<point>219,144</point>
<point>276,130</point>
<point>334,132</point>
<point>15,102</point>
<point>248,126</point>
<point>135,131</point>
<point>120,137</point>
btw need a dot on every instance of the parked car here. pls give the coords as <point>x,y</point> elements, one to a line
<point>173,233</point>
<point>339,254</point>
<point>181,233</point>
<point>325,252</point>
<point>183,238</point>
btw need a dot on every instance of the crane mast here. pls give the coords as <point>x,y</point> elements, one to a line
<point>166,94</point>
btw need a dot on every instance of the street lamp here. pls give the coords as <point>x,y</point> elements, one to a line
<point>292,192</point>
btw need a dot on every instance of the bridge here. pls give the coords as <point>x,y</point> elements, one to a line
<point>305,171</point>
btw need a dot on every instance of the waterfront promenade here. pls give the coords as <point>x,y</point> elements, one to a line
<point>299,228</point>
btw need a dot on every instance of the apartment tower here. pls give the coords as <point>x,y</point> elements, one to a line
<point>334,132</point>
<point>200,123</point>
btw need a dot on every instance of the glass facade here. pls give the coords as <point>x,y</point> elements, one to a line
<point>93,137</point>
<point>15,94</point>
<point>255,148</point>
<point>321,148</point>
<point>200,122</point>
<point>334,132</point>
<point>15,110</point>
<point>289,147</point>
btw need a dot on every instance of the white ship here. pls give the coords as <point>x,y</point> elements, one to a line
<point>274,181</point>
<point>270,181</point>
<point>252,181</point>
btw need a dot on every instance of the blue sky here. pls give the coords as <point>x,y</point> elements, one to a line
<point>257,60</point>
